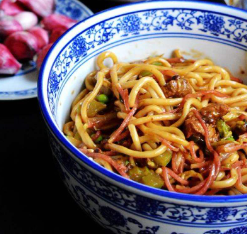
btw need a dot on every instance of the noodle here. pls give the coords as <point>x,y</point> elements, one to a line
<point>170,123</point>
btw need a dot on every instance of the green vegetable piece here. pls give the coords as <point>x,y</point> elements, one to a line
<point>157,63</point>
<point>136,173</point>
<point>153,180</point>
<point>102,98</point>
<point>230,138</point>
<point>163,159</point>
<point>146,176</point>
<point>94,107</point>
<point>99,139</point>
<point>145,73</point>
<point>224,129</point>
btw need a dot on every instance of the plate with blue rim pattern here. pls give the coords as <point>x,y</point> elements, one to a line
<point>23,85</point>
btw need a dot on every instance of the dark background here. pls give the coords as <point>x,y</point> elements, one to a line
<point>32,196</point>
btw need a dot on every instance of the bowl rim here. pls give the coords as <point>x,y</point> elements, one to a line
<point>113,177</point>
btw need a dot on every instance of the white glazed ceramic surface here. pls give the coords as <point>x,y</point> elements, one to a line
<point>24,84</point>
<point>134,32</point>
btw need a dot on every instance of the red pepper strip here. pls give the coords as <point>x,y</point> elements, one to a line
<point>193,153</point>
<point>174,164</point>
<point>192,189</point>
<point>238,164</point>
<point>176,177</point>
<point>96,135</point>
<point>197,114</point>
<point>203,93</point>
<point>110,153</point>
<point>122,136</point>
<point>229,148</point>
<point>125,96</point>
<point>123,125</point>
<point>119,167</point>
<point>201,188</point>
<point>210,148</point>
<point>209,181</point>
<point>243,117</point>
<point>169,73</point>
<point>175,60</point>
<point>181,166</point>
<point>166,179</point>
<point>244,163</point>
<point>237,79</point>
<point>200,94</point>
<point>126,100</point>
<point>239,181</point>
<point>168,144</point>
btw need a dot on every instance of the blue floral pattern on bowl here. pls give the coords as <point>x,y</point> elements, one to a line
<point>213,23</point>
<point>238,230</point>
<point>165,212</point>
<point>97,197</point>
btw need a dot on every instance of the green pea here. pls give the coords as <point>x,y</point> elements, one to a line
<point>157,63</point>
<point>145,73</point>
<point>102,98</point>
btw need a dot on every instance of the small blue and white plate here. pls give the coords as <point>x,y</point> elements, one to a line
<point>23,85</point>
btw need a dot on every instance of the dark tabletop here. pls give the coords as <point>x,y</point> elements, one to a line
<point>33,198</point>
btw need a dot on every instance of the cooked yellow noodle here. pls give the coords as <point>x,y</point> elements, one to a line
<point>135,137</point>
<point>156,128</point>
<point>137,154</point>
<point>91,96</point>
<point>103,163</point>
<point>226,183</point>
<point>103,56</point>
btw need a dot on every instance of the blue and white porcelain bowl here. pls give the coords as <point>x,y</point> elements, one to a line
<point>134,32</point>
